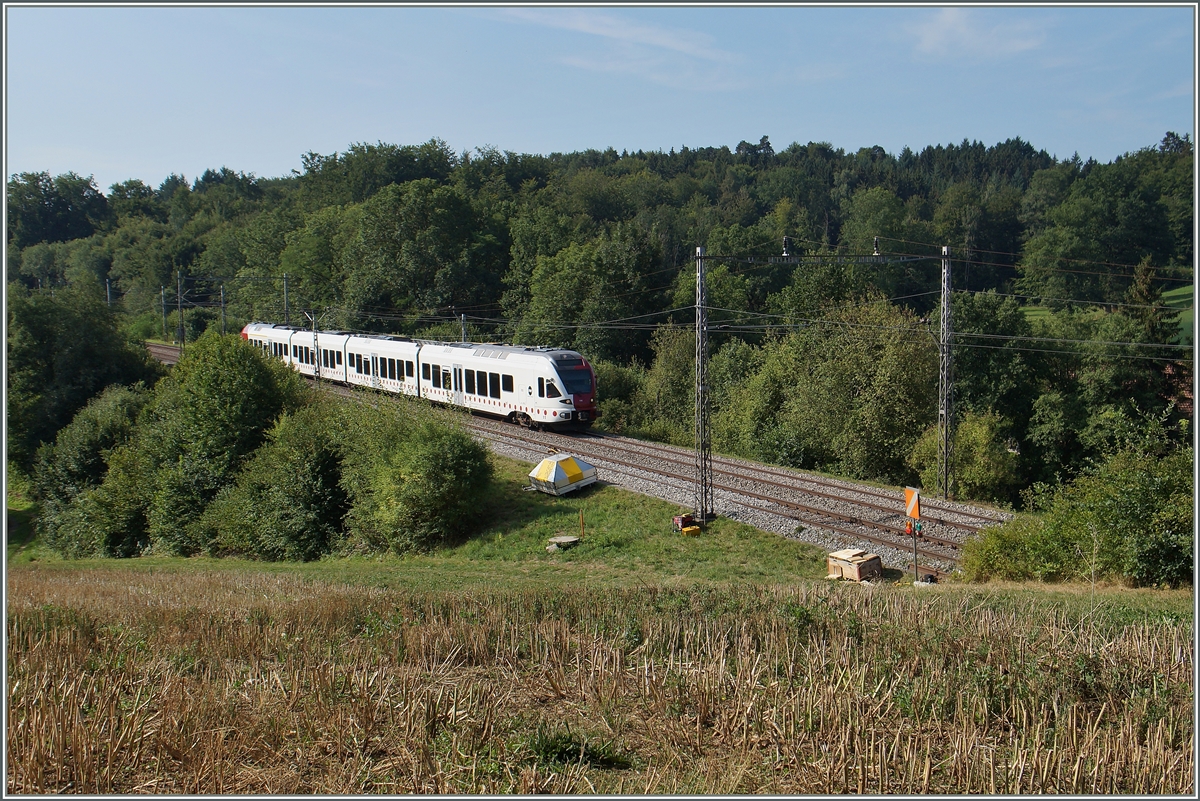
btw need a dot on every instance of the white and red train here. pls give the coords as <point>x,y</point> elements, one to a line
<point>540,387</point>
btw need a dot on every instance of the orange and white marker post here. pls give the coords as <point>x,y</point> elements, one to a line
<point>912,508</point>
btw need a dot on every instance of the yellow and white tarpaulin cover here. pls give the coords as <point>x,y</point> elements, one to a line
<point>561,473</point>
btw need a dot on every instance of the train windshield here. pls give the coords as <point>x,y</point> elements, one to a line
<point>576,381</point>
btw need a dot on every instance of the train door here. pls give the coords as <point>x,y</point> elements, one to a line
<point>375,371</point>
<point>458,385</point>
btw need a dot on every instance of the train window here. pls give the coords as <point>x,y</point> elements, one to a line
<point>437,376</point>
<point>470,382</point>
<point>506,383</point>
<point>408,367</point>
<point>445,378</point>
<point>494,384</point>
<point>425,371</point>
<point>576,382</point>
<point>293,351</point>
<point>551,390</point>
<point>308,359</point>
<point>541,387</point>
<point>338,355</point>
<point>480,382</point>
<point>392,369</point>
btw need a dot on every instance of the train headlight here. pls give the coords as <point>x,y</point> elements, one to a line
<point>564,415</point>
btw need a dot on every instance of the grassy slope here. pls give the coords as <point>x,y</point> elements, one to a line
<point>628,542</point>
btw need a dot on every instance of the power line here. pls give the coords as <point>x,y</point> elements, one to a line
<point>1068,300</point>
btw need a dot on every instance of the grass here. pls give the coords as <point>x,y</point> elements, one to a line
<point>22,545</point>
<point>1181,298</point>
<point>638,662</point>
<point>628,540</point>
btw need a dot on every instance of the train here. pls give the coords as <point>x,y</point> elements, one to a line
<point>536,387</point>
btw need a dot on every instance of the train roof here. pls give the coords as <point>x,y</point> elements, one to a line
<point>494,350</point>
<point>503,351</point>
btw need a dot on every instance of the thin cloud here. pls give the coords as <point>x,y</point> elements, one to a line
<point>1180,90</point>
<point>656,70</point>
<point>622,29</point>
<point>961,32</point>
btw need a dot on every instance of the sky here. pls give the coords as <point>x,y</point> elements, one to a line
<point>143,92</point>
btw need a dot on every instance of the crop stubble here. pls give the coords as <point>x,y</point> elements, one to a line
<point>228,682</point>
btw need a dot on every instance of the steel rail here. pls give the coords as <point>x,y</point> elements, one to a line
<point>799,477</point>
<point>891,543</point>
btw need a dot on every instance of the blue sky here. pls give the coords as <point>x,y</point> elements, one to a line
<point>124,93</point>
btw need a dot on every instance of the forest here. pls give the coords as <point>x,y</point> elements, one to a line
<point>1072,289</point>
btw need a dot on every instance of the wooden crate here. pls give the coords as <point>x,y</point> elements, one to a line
<point>853,564</point>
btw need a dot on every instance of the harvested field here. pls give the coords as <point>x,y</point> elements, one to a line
<point>125,681</point>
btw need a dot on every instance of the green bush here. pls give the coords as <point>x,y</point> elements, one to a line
<point>984,468</point>
<point>75,464</point>
<point>1128,518</point>
<point>108,520</point>
<point>62,349</point>
<point>288,502</point>
<point>617,389</point>
<point>206,419</point>
<point>199,426</point>
<point>414,478</point>
<point>77,459</point>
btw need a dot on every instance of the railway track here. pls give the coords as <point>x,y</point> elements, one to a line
<point>167,354</point>
<point>848,528</point>
<point>765,496</point>
<point>805,480</point>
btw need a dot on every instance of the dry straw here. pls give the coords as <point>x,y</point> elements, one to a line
<point>231,682</point>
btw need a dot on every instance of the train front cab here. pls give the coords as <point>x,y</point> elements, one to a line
<point>578,381</point>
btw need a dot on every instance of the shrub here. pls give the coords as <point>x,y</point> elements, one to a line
<point>197,429</point>
<point>62,350</point>
<point>77,459</point>
<point>206,419</point>
<point>414,478</point>
<point>1128,518</point>
<point>984,469</point>
<point>76,463</point>
<point>108,520</point>
<point>288,502</point>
